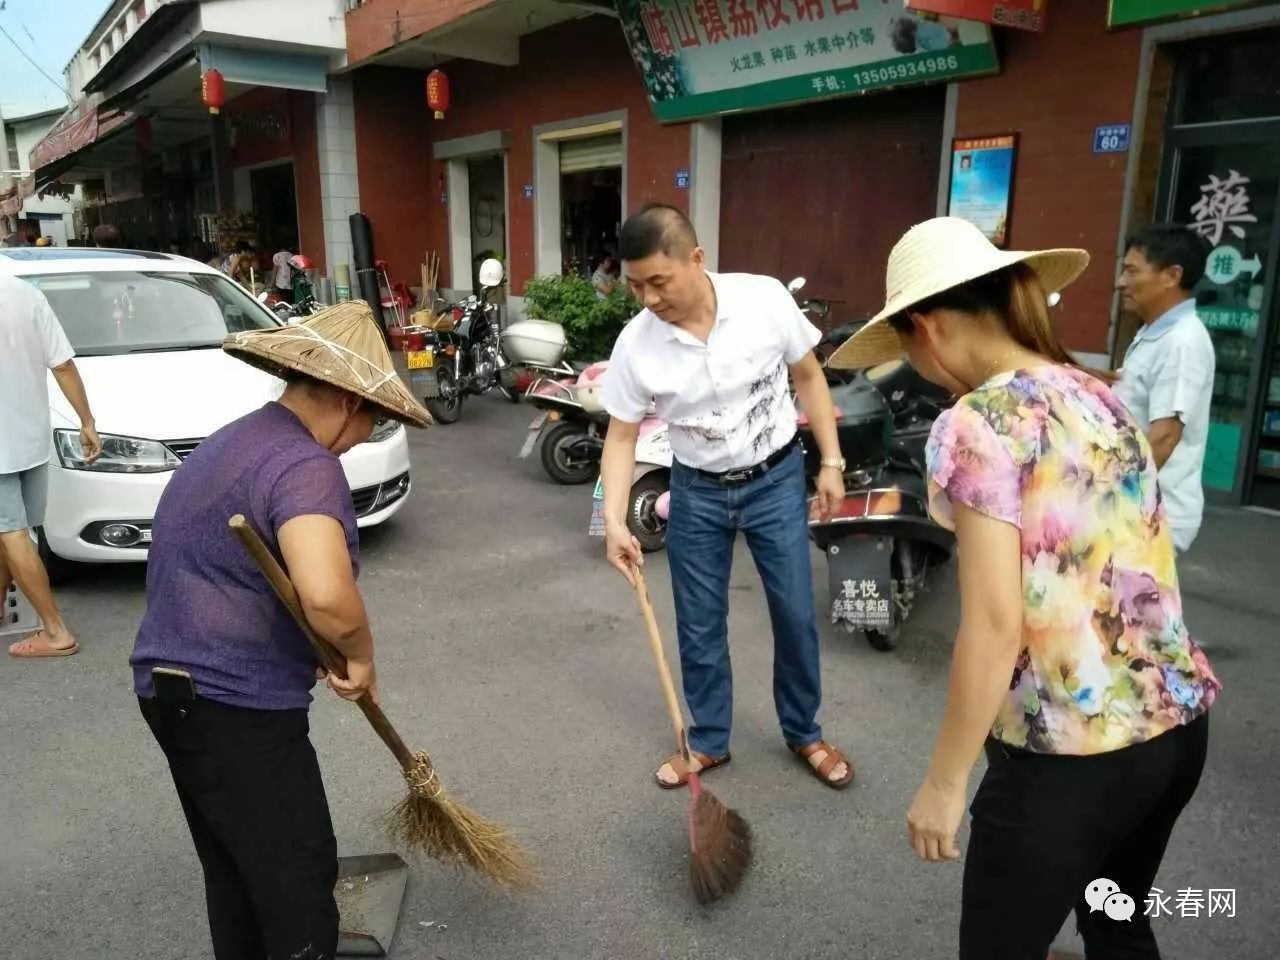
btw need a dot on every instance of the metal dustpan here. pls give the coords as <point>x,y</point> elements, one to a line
<point>369,891</point>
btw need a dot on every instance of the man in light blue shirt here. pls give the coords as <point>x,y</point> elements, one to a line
<point>1166,380</point>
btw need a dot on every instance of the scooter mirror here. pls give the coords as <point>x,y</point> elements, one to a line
<point>796,285</point>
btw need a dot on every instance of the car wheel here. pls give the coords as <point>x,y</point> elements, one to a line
<point>60,571</point>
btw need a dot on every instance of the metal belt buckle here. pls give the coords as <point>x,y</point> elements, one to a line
<point>737,476</point>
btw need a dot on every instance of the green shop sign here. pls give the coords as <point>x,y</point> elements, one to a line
<point>1127,13</point>
<point>705,57</point>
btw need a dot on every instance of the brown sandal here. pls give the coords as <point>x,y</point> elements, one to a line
<point>676,762</point>
<point>831,758</point>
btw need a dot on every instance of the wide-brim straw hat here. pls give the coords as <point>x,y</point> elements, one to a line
<point>933,257</point>
<point>341,345</point>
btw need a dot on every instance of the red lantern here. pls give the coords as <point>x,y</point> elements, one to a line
<point>438,93</point>
<point>211,90</point>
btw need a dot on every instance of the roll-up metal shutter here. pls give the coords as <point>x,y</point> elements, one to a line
<point>591,153</point>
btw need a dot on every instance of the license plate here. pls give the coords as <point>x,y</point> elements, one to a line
<point>861,583</point>
<point>421,359</point>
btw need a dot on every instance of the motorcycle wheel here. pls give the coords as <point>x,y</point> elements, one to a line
<point>642,516</point>
<point>886,640</point>
<point>447,407</point>
<point>557,461</point>
<point>507,383</point>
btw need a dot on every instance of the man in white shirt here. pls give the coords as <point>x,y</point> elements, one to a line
<point>1166,380</point>
<point>31,342</point>
<point>712,353</point>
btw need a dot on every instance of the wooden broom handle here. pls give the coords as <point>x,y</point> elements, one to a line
<point>329,657</point>
<point>664,670</point>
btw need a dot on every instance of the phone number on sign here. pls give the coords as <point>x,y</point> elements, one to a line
<point>905,71</point>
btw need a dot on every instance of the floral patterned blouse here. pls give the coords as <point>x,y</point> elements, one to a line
<point>1106,660</point>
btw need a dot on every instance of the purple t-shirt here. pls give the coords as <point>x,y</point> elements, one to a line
<point>210,611</point>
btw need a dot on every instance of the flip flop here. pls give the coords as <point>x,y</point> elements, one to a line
<point>830,759</point>
<point>28,648</point>
<point>677,765</point>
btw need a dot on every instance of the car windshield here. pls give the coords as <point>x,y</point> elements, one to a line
<point>138,312</point>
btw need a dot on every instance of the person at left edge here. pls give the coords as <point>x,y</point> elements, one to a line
<point>235,732</point>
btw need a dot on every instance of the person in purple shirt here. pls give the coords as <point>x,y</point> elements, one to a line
<point>222,672</point>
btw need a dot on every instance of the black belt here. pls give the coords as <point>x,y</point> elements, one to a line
<point>736,478</point>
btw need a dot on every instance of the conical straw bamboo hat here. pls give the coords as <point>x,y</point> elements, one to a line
<point>933,257</point>
<point>341,345</point>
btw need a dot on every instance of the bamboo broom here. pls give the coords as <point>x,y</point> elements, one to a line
<point>427,820</point>
<point>719,838</point>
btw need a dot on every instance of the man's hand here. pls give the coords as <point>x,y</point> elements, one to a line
<point>362,678</point>
<point>934,820</point>
<point>623,551</point>
<point>830,491</point>
<point>90,443</point>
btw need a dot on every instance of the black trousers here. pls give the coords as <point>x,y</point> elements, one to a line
<point>251,790</point>
<point>1044,827</point>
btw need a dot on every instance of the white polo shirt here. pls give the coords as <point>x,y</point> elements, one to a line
<point>1168,372</point>
<point>32,342</point>
<point>727,401</point>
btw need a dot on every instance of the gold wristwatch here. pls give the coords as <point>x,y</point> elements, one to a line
<point>837,462</point>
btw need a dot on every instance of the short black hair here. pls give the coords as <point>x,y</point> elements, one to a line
<point>1172,245</point>
<point>657,228</point>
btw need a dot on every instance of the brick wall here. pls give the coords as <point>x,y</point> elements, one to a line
<point>1053,90</point>
<point>574,69</point>
<point>378,25</point>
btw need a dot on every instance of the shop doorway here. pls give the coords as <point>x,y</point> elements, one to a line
<point>487,197</point>
<point>590,201</point>
<point>1221,175</point>
<point>275,208</point>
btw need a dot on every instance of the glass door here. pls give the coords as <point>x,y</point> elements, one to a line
<point>1228,193</point>
<point>1221,176</point>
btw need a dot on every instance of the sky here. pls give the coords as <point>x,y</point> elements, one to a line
<point>50,32</point>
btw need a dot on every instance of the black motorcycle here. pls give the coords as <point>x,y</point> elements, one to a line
<point>881,543</point>
<point>461,356</point>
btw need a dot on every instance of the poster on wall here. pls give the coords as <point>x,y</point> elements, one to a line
<point>982,183</point>
<point>705,57</point>
<point>1019,14</point>
<point>1127,13</point>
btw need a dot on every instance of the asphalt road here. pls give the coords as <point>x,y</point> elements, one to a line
<point>519,660</point>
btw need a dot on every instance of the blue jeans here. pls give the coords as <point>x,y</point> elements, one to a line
<point>705,519</point>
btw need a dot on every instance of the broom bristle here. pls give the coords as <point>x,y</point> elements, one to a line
<point>720,844</point>
<point>445,830</point>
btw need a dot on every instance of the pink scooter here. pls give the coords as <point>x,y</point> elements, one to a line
<point>570,429</point>
<point>650,488</point>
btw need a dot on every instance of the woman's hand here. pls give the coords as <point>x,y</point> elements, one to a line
<point>934,820</point>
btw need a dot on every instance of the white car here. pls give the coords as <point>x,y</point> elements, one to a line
<point>147,329</point>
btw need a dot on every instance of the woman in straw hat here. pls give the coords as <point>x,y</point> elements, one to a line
<point>222,672</point>
<point>1072,661</point>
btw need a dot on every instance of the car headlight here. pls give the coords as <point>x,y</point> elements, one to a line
<point>119,454</point>
<point>384,429</point>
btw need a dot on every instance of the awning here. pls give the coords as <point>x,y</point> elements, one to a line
<point>80,127</point>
